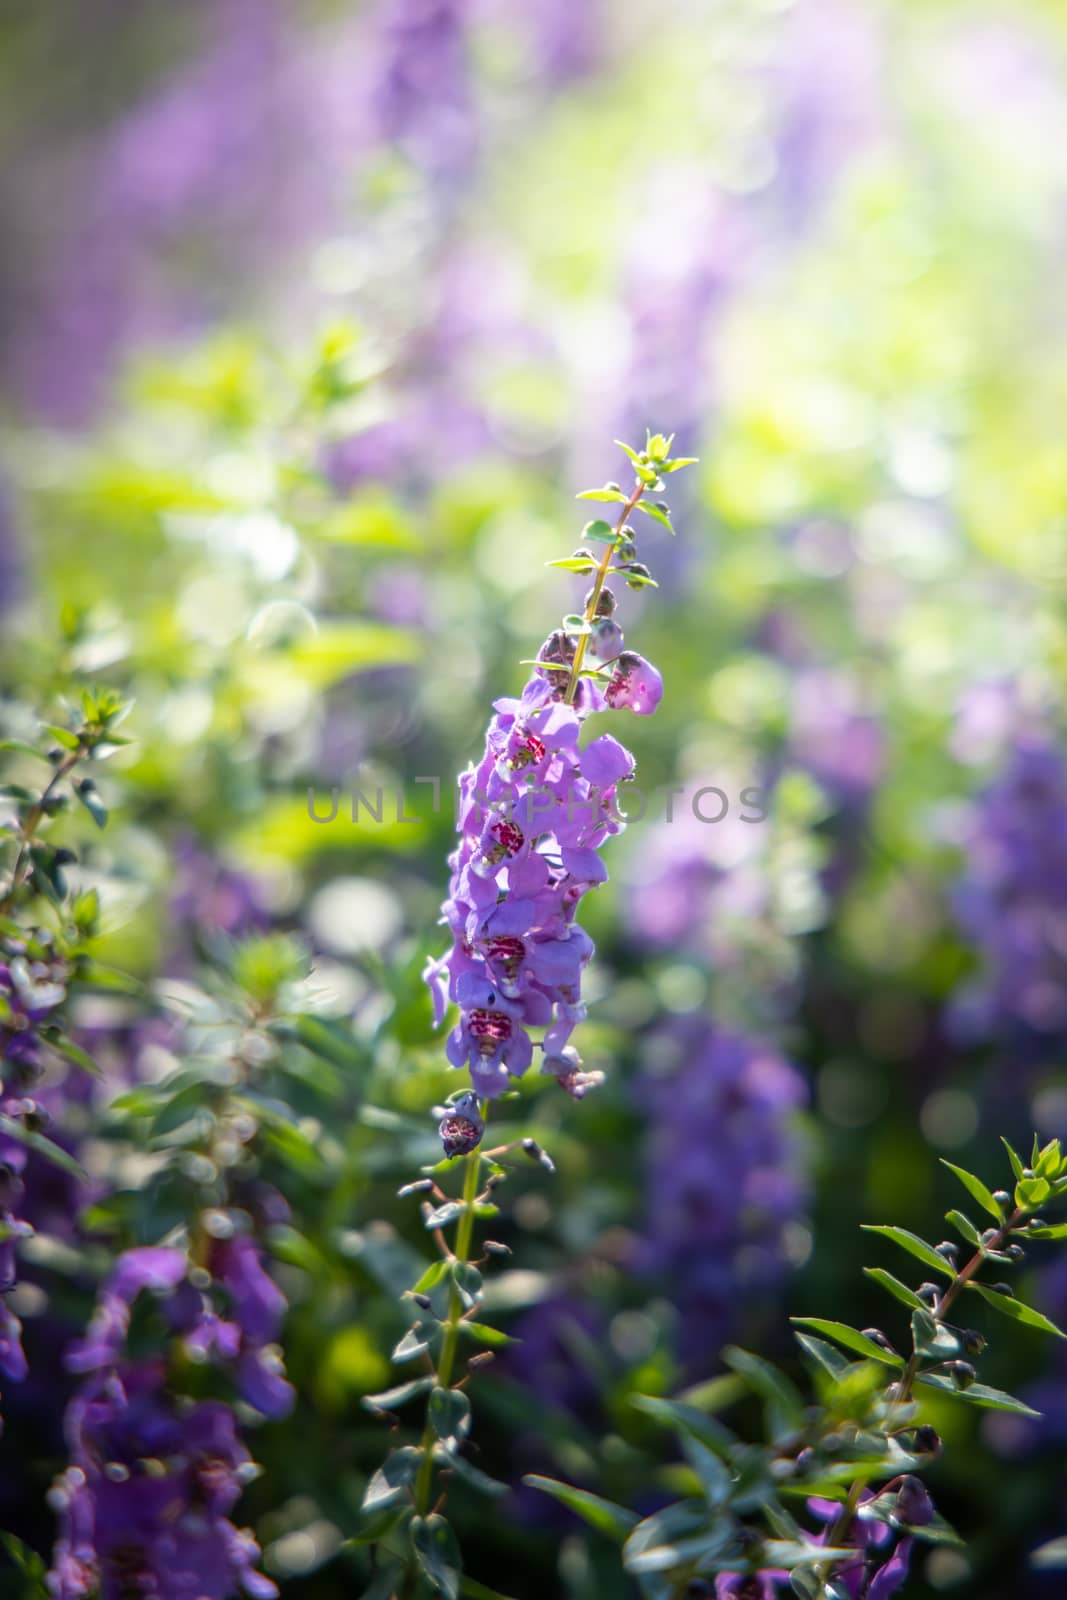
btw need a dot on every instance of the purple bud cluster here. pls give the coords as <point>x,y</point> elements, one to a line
<point>532,817</point>
<point>723,1176</point>
<point>144,1504</point>
<point>1011,902</point>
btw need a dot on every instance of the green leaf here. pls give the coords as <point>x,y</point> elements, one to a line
<point>976,1189</point>
<point>570,564</point>
<point>435,1272</point>
<point>851,1338</point>
<point>20,747</point>
<point>598,532</point>
<point>656,514</point>
<point>964,1227</point>
<point>389,1399</point>
<point>1013,1156</point>
<point>677,464</point>
<point>437,1553</point>
<point>480,1481</point>
<point>1058,1230</point>
<point>899,1290</point>
<point>450,1416</point>
<point>604,1515</point>
<point>93,804</point>
<point>73,1052</point>
<point>785,1404</point>
<point>442,1216</point>
<point>419,1340</point>
<point>830,1360</point>
<point>390,1484</point>
<point>978,1394</point>
<point>42,1147</point>
<point>63,736</point>
<point>1032,1192</point>
<point>602,494</point>
<point>932,1339</point>
<point>481,1333</point>
<point>468,1283</point>
<point>913,1245</point>
<point>1017,1310</point>
<point>687,1420</point>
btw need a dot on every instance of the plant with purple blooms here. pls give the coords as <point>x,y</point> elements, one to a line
<point>853,1457</point>
<point>532,817</point>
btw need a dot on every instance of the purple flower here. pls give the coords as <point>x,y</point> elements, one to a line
<point>531,817</point>
<point>144,1505</point>
<point>461,1125</point>
<point>1010,903</point>
<point>754,1586</point>
<point>716,1230</point>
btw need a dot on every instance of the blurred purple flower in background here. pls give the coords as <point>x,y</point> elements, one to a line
<point>723,1176</point>
<point>1011,904</point>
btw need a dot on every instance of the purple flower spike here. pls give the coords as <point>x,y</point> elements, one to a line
<point>462,1126</point>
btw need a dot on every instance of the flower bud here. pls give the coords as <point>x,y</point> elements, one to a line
<point>876,1336</point>
<point>927,1440</point>
<point>1002,1197</point>
<point>914,1506</point>
<point>962,1374</point>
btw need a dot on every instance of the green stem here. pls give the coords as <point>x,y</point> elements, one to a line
<point>911,1370</point>
<point>596,591</point>
<point>446,1365</point>
<point>33,821</point>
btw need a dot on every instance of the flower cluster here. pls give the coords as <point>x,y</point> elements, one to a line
<point>146,1499</point>
<point>532,817</point>
<point>716,1229</point>
<point>1011,902</point>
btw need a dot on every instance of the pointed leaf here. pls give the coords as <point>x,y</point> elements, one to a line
<point>437,1553</point>
<point>604,1515</point>
<point>1013,1156</point>
<point>389,1399</point>
<point>913,1245</point>
<point>979,1394</point>
<point>964,1227</point>
<point>450,1416</point>
<point>976,1189</point>
<point>830,1360</point>
<point>785,1404</point>
<point>851,1338</point>
<point>1017,1310</point>
<point>899,1290</point>
<point>389,1485</point>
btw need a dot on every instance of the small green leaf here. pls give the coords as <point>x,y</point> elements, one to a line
<point>1017,1310</point>
<point>1016,1162</point>
<point>570,564</point>
<point>900,1290</point>
<point>1058,1230</point>
<point>418,1341</point>
<point>677,464</point>
<point>785,1404</point>
<point>437,1553</point>
<point>20,747</point>
<point>481,1333</point>
<point>830,1360</point>
<point>468,1283</point>
<point>964,1227</point>
<point>433,1275</point>
<point>450,1416</point>
<point>978,1394</point>
<point>480,1481</point>
<point>602,494</point>
<point>442,1216</point>
<point>851,1338</point>
<point>932,1339</point>
<point>389,1485</point>
<point>913,1245</point>
<point>93,804</point>
<point>656,514</point>
<point>604,1515</point>
<point>389,1399</point>
<point>43,1147</point>
<point>598,532</point>
<point>1032,1192</point>
<point>63,736</point>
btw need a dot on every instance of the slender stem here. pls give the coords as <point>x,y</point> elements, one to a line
<point>596,591</point>
<point>33,821</point>
<point>911,1371</point>
<point>450,1344</point>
